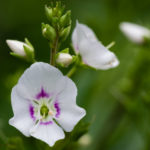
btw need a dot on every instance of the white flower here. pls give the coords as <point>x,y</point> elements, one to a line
<point>92,51</point>
<point>17,47</point>
<point>42,97</point>
<point>64,59</point>
<point>134,32</point>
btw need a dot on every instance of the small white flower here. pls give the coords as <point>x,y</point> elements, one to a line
<point>92,51</point>
<point>42,97</point>
<point>134,32</point>
<point>17,47</point>
<point>64,59</point>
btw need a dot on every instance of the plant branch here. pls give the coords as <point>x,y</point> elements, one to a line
<point>72,71</point>
<point>54,50</point>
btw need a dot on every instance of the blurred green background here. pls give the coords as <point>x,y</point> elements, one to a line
<point>117,101</point>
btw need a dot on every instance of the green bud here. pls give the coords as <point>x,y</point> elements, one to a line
<point>48,32</point>
<point>64,34</point>
<point>49,13</point>
<point>55,21</point>
<point>65,20</point>
<point>58,10</point>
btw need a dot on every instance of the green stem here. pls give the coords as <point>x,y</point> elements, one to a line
<point>54,50</point>
<point>72,71</point>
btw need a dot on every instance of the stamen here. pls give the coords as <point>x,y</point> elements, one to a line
<point>49,100</point>
<point>37,121</point>
<point>51,113</point>
<point>35,102</point>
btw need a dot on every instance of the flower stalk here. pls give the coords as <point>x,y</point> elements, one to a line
<point>72,71</point>
<point>53,50</point>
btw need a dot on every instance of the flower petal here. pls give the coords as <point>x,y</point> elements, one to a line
<point>22,119</point>
<point>92,51</point>
<point>88,33</point>
<point>70,113</point>
<point>17,46</point>
<point>97,56</point>
<point>48,133</point>
<point>134,32</point>
<point>40,76</point>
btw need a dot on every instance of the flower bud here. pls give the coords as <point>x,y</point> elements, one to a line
<point>65,19</point>
<point>21,49</point>
<point>48,32</point>
<point>134,32</point>
<point>49,13</point>
<point>65,32</point>
<point>64,59</point>
<point>58,10</point>
<point>17,47</point>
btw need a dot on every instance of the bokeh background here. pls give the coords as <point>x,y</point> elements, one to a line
<point>117,100</point>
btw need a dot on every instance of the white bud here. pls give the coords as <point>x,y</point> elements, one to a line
<point>17,47</point>
<point>64,59</point>
<point>85,140</point>
<point>134,32</point>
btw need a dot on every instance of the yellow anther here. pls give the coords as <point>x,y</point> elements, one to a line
<point>50,113</point>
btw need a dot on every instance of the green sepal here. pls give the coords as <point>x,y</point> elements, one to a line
<point>17,55</point>
<point>66,50</point>
<point>61,65</point>
<point>64,33</point>
<point>65,20</point>
<point>74,58</point>
<point>28,43</point>
<point>29,53</point>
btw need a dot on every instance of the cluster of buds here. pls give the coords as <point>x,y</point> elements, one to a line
<point>57,31</point>
<point>59,23</point>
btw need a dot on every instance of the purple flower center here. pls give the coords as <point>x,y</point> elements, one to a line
<point>56,105</point>
<point>46,107</point>
<point>46,123</point>
<point>31,109</point>
<point>42,94</point>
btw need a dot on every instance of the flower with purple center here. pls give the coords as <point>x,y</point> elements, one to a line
<point>92,51</point>
<point>44,104</point>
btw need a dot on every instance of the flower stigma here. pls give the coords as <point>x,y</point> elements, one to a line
<point>44,111</point>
